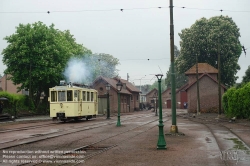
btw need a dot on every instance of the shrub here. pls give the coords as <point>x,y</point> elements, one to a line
<point>15,103</point>
<point>236,102</point>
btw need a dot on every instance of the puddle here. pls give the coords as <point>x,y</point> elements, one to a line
<point>239,145</point>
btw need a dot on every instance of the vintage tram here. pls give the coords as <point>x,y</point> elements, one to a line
<point>69,101</point>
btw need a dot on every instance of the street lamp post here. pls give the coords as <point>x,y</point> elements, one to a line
<point>161,140</point>
<point>108,109</point>
<point>119,88</point>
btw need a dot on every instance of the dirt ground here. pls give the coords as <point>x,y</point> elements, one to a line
<point>194,145</point>
<point>200,141</point>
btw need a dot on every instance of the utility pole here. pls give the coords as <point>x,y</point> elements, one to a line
<point>174,128</point>
<point>219,80</point>
<point>219,73</point>
<point>198,89</point>
<point>30,91</point>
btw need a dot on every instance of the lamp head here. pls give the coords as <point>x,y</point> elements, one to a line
<point>159,76</point>
<point>107,87</point>
<point>119,86</point>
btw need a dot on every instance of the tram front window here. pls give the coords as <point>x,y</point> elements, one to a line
<point>61,96</point>
<point>53,97</point>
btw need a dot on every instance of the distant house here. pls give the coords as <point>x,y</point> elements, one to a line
<point>129,95</point>
<point>180,95</point>
<point>143,92</point>
<point>166,98</point>
<point>208,88</point>
<point>152,97</point>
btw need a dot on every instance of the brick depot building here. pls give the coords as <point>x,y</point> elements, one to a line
<point>208,88</point>
<point>129,95</point>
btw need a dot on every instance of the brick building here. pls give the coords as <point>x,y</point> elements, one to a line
<point>166,98</point>
<point>7,85</point>
<point>181,97</point>
<point>208,88</point>
<point>150,97</point>
<point>129,95</point>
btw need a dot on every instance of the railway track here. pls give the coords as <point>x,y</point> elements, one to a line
<point>27,128</point>
<point>229,142</point>
<point>70,130</point>
<point>91,150</point>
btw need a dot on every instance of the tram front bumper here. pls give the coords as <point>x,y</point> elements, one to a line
<point>60,115</point>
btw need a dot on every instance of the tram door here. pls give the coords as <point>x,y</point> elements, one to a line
<point>76,102</point>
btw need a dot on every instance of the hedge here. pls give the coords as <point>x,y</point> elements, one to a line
<point>236,102</point>
<point>15,103</point>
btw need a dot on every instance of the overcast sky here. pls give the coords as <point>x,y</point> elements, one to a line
<point>137,33</point>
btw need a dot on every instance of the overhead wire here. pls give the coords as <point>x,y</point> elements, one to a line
<point>121,9</point>
<point>143,59</point>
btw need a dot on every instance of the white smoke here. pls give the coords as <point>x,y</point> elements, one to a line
<point>77,71</point>
<point>86,69</point>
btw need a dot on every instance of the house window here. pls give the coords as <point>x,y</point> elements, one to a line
<point>131,97</point>
<point>137,97</point>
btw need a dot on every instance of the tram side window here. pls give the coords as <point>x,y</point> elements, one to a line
<point>61,96</point>
<point>88,96</point>
<point>83,96</point>
<point>76,95</point>
<point>95,97</point>
<point>53,96</point>
<point>92,96</point>
<point>69,95</point>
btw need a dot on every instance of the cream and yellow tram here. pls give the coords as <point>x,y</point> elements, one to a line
<point>71,102</point>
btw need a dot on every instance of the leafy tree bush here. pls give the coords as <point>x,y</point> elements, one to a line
<point>236,102</point>
<point>15,103</point>
<point>208,38</point>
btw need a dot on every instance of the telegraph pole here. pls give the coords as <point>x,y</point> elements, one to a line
<point>174,128</point>
<point>198,87</point>
<point>219,80</point>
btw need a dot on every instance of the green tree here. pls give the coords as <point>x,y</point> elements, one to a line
<point>36,56</point>
<point>180,78</point>
<point>206,39</point>
<point>105,65</point>
<point>155,85</point>
<point>246,77</point>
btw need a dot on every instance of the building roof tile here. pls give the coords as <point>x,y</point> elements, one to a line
<point>202,68</point>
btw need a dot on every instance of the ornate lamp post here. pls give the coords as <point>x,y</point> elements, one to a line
<point>119,88</point>
<point>161,140</point>
<point>108,109</point>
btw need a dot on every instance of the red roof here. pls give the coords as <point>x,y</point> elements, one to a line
<point>114,81</point>
<point>202,68</point>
